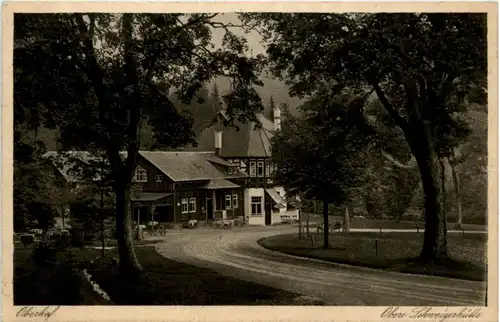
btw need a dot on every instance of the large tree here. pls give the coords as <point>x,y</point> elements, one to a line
<point>420,65</point>
<point>100,75</point>
<point>319,155</point>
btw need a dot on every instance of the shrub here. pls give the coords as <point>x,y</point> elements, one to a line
<point>44,254</point>
<point>27,239</point>
<point>77,239</point>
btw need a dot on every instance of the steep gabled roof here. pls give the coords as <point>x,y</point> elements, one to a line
<point>188,166</point>
<point>66,163</point>
<point>244,140</point>
<point>178,166</point>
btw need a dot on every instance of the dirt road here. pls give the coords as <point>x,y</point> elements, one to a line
<point>236,253</point>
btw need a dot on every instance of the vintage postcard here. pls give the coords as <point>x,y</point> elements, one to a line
<point>249,161</point>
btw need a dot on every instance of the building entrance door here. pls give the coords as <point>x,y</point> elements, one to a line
<point>267,211</point>
<point>210,209</point>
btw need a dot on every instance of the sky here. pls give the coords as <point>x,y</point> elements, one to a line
<point>272,86</point>
<point>253,38</point>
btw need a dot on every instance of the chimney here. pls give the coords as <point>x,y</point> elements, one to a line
<point>218,142</point>
<point>277,118</point>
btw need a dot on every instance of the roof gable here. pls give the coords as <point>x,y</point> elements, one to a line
<point>244,140</point>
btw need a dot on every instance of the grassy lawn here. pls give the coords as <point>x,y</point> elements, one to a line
<point>388,223</point>
<point>56,283</point>
<point>163,282</point>
<point>396,252</point>
<point>166,282</point>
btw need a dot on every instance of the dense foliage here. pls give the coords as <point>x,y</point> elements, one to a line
<point>97,77</point>
<point>423,68</point>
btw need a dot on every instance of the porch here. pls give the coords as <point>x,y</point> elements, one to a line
<point>214,200</point>
<point>149,208</point>
<point>223,200</point>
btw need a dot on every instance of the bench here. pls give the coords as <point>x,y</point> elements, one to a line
<point>226,223</point>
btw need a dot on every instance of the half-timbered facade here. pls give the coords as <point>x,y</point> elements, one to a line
<point>248,148</point>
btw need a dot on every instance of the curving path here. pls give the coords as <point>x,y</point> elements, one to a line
<point>236,253</point>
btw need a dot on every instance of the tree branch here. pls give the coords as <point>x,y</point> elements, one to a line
<point>411,164</point>
<point>400,121</point>
<point>96,77</point>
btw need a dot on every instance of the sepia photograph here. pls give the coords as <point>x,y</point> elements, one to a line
<point>252,158</point>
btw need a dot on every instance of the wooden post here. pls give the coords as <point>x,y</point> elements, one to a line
<point>153,209</point>
<point>346,220</point>
<point>307,224</point>
<point>175,204</point>
<point>139,235</point>
<point>206,206</point>
<point>214,203</point>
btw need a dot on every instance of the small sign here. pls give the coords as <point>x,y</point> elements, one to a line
<point>178,204</point>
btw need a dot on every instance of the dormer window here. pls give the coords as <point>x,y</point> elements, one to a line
<point>141,175</point>
<point>260,169</point>
<point>252,168</point>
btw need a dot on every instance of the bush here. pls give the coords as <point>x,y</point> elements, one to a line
<point>44,254</point>
<point>27,239</point>
<point>77,238</point>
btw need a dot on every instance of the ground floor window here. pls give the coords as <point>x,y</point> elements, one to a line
<point>228,201</point>
<point>235,201</point>
<point>184,208</point>
<point>256,206</point>
<point>192,204</point>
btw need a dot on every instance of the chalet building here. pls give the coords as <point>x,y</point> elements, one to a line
<point>228,175</point>
<point>172,187</point>
<point>248,148</point>
<point>175,187</point>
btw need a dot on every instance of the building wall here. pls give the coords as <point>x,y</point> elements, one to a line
<point>151,185</point>
<point>276,217</point>
<point>201,201</point>
<point>252,219</point>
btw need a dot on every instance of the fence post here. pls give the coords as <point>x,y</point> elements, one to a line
<point>376,247</point>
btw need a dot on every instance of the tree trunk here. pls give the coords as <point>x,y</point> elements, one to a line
<point>126,251</point>
<point>300,225</point>
<point>103,245</point>
<point>435,245</point>
<point>325,225</point>
<point>456,191</point>
<point>418,133</point>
